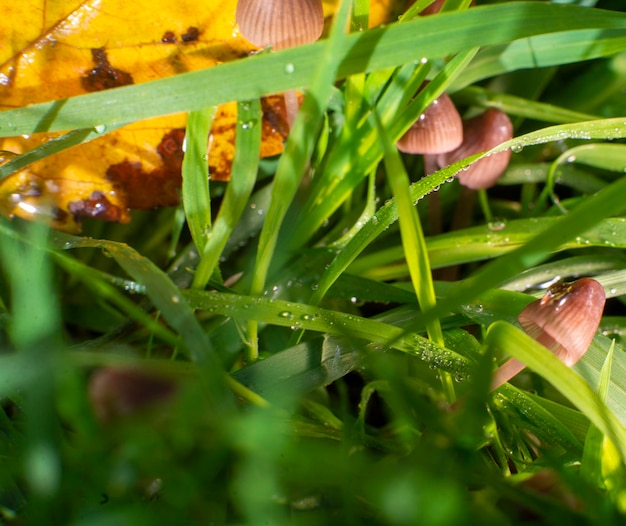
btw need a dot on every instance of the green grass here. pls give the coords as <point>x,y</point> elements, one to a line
<point>299,311</point>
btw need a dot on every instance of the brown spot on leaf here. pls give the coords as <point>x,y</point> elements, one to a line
<point>104,76</point>
<point>96,206</point>
<point>168,37</point>
<point>191,35</point>
<point>171,147</point>
<point>144,190</point>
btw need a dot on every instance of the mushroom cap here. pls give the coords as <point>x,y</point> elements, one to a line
<point>118,392</point>
<point>439,129</point>
<point>566,318</point>
<point>481,133</point>
<point>280,23</point>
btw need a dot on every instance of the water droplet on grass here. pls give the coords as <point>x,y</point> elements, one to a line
<point>496,225</point>
<point>248,125</point>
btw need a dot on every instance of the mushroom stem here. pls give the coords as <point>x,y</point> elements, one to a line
<point>461,219</point>
<point>292,106</point>
<point>505,372</point>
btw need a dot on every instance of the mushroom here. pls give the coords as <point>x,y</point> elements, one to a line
<point>482,133</point>
<point>438,130</point>
<point>281,24</point>
<point>119,392</point>
<point>565,321</point>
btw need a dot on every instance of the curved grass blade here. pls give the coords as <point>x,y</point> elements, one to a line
<point>301,316</point>
<point>296,155</point>
<point>56,145</point>
<point>244,171</point>
<point>300,369</point>
<point>513,105</point>
<point>195,187</point>
<point>167,298</point>
<point>543,51</point>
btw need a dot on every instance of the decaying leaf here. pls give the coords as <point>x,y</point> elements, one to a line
<point>55,50</point>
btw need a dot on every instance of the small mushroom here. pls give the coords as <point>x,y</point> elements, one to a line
<point>438,130</point>
<point>482,133</point>
<point>564,320</point>
<point>119,392</point>
<point>280,23</point>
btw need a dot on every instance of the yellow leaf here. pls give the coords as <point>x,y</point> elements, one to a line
<point>54,49</point>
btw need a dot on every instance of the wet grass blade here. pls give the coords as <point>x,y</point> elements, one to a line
<point>244,171</point>
<point>195,188</point>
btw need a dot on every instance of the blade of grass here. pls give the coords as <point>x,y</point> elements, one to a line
<point>35,333</point>
<point>591,464</point>
<point>302,316</point>
<point>244,171</point>
<point>51,147</point>
<point>195,188</point>
<point>296,155</point>
<point>543,51</point>
<point>513,105</point>
<point>482,242</point>
<point>104,290</point>
<point>413,243</point>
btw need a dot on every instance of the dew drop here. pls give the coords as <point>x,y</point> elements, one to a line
<point>517,148</point>
<point>289,68</point>
<point>248,125</point>
<point>285,314</point>
<point>100,128</point>
<point>496,225</point>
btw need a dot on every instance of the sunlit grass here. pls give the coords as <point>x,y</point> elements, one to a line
<point>314,355</point>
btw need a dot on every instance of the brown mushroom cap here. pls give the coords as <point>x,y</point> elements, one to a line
<point>481,133</point>
<point>118,392</point>
<point>566,318</point>
<point>280,23</point>
<point>565,321</point>
<point>438,130</point>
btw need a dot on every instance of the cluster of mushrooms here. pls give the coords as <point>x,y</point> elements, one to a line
<point>564,320</point>
<point>444,138</point>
